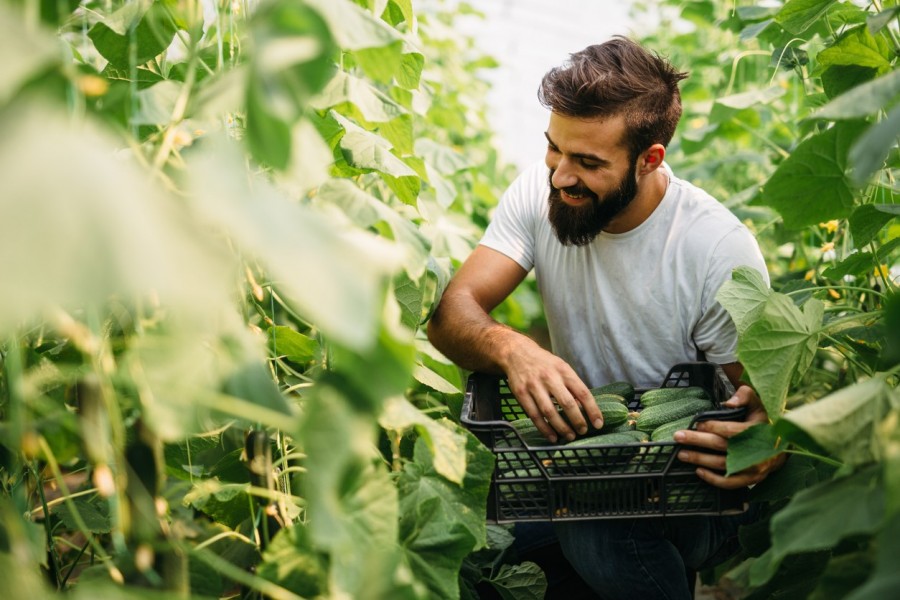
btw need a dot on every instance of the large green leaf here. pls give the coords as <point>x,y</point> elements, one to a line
<point>846,422</point>
<point>373,105</point>
<point>291,561</point>
<point>126,42</point>
<point>366,210</point>
<point>744,296</point>
<point>779,346</point>
<point>440,521</point>
<point>293,59</point>
<point>526,581</point>
<point>726,107</point>
<point>865,223</point>
<point>751,446</point>
<point>811,185</point>
<point>865,99</point>
<point>344,295</point>
<point>292,344</point>
<point>445,441</point>
<point>797,15</point>
<point>821,516</point>
<point>858,48</point>
<point>352,504</point>
<point>97,227</point>
<point>868,153</point>
<point>885,580</point>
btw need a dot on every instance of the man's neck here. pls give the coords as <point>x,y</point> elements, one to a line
<point>651,190</point>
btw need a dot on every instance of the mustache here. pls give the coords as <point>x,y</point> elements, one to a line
<point>574,190</point>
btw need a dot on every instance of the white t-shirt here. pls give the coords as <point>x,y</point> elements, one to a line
<point>629,306</point>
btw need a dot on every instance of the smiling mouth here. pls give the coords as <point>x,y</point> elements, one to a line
<point>574,197</point>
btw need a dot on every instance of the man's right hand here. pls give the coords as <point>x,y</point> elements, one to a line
<point>536,377</point>
<point>462,329</point>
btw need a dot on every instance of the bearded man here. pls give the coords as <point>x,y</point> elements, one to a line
<point>628,259</point>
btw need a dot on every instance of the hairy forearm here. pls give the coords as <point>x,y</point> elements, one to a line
<point>468,336</point>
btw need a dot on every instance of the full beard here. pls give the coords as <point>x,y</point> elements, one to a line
<point>579,225</point>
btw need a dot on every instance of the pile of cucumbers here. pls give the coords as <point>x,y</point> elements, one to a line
<point>665,411</point>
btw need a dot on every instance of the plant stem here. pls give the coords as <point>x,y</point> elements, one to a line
<point>819,457</point>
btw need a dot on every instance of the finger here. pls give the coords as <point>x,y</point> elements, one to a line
<point>547,408</point>
<point>725,429</point>
<point>703,459</point>
<point>701,439</point>
<point>534,414</point>
<point>572,410</point>
<point>587,400</point>
<point>731,482</point>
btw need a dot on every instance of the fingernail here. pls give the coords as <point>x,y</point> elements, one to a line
<point>598,423</point>
<point>553,439</point>
<point>582,430</point>
<point>679,436</point>
<point>570,436</point>
<point>682,455</point>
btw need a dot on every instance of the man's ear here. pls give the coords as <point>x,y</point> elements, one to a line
<point>651,159</point>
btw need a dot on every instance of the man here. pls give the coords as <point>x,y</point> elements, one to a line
<point>628,259</point>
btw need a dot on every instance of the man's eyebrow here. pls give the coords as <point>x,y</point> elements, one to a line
<point>582,155</point>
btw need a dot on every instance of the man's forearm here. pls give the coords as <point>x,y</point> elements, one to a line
<point>471,338</point>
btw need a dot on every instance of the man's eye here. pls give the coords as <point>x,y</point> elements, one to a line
<point>590,165</point>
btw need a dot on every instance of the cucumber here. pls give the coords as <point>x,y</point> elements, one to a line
<point>620,388</point>
<point>654,416</point>
<point>664,432</point>
<point>663,395</point>
<point>600,398</point>
<point>529,433</point>
<point>614,413</point>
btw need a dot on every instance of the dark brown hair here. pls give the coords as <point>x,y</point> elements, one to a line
<point>618,77</point>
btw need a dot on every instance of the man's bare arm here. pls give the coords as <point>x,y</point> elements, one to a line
<point>463,330</point>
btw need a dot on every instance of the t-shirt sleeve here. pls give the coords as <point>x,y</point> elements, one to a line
<point>512,227</point>
<point>715,333</point>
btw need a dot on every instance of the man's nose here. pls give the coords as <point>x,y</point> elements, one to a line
<point>563,176</point>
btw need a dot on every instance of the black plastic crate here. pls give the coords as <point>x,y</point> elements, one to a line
<point>537,483</point>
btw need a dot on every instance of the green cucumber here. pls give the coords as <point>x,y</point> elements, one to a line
<point>666,431</point>
<point>600,398</point>
<point>654,416</point>
<point>662,395</point>
<point>614,413</point>
<point>620,388</point>
<point>529,433</point>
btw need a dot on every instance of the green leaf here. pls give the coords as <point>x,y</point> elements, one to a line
<point>444,159</point>
<point>409,74</point>
<point>367,210</point>
<point>367,150</point>
<point>353,27</point>
<point>798,473</point>
<point>525,581</point>
<point>879,21</point>
<point>796,16</point>
<point>744,296</point>
<point>779,346</point>
<point>150,36</point>
<point>821,516</point>
<point>441,522</point>
<point>868,153</point>
<point>726,107</point>
<point>292,344</point>
<point>227,505</point>
<point>446,442</point>
<point>865,99</point>
<point>343,296</point>
<point>409,297</point>
<point>253,382</point>
<point>858,48</point>
<point>751,446</point>
<point>811,185</point>
<point>856,263</point>
<point>866,221</point>
<point>268,134</point>
<point>373,105</point>
<point>291,561</point>
<point>885,580</point>
<point>845,423</point>
<point>94,512</point>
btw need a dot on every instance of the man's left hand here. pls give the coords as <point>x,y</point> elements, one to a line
<point>715,435</point>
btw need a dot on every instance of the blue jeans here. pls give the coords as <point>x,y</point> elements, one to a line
<point>621,558</point>
<point>648,557</point>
